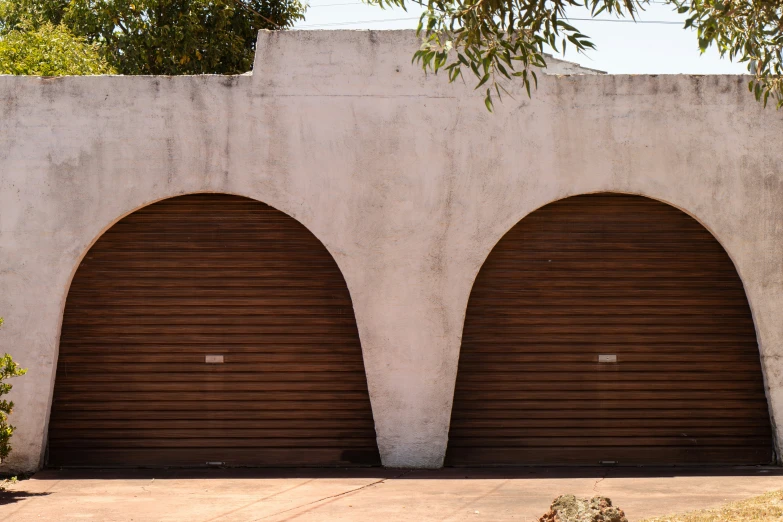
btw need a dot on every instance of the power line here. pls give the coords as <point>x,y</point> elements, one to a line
<point>657,2</point>
<point>611,20</point>
<point>358,22</point>
<point>368,5</point>
<point>335,5</point>
<point>621,21</point>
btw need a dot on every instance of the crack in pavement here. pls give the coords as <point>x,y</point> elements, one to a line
<point>474,500</point>
<point>337,495</point>
<point>257,501</point>
<point>595,486</point>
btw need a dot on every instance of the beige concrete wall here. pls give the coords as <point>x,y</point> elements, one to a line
<point>407,180</point>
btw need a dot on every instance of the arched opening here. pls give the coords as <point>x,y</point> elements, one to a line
<point>609,329</point>
<point>210,329</point>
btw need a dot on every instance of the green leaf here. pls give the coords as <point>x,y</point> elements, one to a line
<point>49,50</point>
<point>155,35</point>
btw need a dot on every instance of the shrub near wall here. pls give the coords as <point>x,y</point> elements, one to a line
<point>8,369</point>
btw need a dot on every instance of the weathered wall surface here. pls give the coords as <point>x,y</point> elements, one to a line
<point>407,180</point>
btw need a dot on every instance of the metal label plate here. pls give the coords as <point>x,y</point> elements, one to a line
<point>607,358</point>
<point>214,359</point>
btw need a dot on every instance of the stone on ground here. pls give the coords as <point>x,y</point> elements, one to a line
<point>568,508</point>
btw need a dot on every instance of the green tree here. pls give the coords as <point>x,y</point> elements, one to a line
<point>498,40</point>
<point>8,369</point>
<point>163,36</point>
<point>49,50</point>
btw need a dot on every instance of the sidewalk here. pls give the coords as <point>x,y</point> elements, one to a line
<point>374,495</point>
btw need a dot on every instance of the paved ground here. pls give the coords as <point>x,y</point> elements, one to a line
<point>366,495</point>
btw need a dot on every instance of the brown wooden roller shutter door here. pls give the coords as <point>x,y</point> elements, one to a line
<point>214,275</point>
<point>611,275</point>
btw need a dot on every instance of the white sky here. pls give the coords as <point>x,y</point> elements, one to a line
<point>622,48</point>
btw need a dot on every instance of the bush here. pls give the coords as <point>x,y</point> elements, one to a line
<point>8,369</point>
<point>49,50</point>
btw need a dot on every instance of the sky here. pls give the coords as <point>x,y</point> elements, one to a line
<point>649,47</point>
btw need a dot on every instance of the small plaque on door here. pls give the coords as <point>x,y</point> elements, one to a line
<point>607,358</point>
<point>214,359</point>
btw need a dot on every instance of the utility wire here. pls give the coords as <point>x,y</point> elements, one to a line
<point>362,3</point>
<point>357,22</point>
<point>621,21</point>
<point>611,20</point>
<point>335,5</point>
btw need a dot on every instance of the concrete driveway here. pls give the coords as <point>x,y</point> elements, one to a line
<point>375,495</point>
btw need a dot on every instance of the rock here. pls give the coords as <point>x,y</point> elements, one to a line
<point>568,508</point>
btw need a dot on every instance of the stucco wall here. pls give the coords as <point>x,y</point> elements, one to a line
<point>406,179</point>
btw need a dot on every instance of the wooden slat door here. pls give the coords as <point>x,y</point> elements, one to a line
<point>612,275</point>
<point>203,275</point>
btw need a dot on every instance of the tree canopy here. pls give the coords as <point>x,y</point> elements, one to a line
<point>493,40</point>
<point>49,50</point>
<point>497,40</point>
<point>159,36</point>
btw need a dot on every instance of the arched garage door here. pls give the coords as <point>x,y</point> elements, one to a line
<point>609,329</point>
<point>169,292</point>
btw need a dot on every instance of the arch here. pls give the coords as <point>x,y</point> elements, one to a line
<point>640,283</point>
<point>170,291</point>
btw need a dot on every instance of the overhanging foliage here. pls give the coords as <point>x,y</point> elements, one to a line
<point>496,40</point>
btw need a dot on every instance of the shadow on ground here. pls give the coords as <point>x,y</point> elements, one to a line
<point>407,474</point>
<point>12,497</point>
